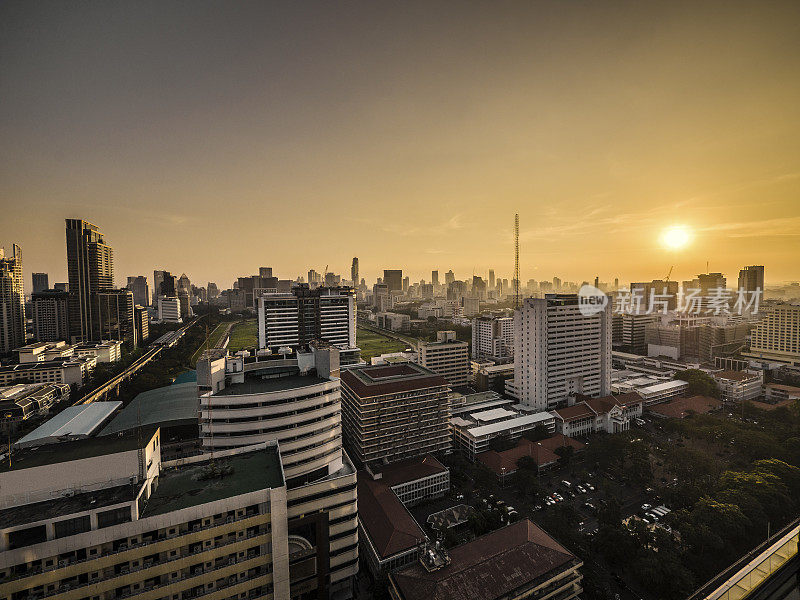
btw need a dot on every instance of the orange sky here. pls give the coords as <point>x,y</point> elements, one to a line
<point>211,141</point>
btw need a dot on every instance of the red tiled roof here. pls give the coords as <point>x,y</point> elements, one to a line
<point>410,470</point>
<point>560,440</point>
<point>542,452</point>
<point>576,411</point>
<point>628,398</point>
<point>495,565</point>
<point>389,525</point>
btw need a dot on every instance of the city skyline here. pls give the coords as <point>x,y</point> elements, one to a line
<point>415,136</point>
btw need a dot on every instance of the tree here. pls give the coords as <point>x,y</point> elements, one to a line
<point>700,382</point>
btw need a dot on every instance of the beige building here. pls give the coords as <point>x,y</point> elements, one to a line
<point>777,336</point>
<point>446,357</point>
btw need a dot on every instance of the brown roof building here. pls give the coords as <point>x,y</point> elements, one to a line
<point>517,561</point>
<point>394,412</point>
<point>542,452</point>
<point>683,407</point>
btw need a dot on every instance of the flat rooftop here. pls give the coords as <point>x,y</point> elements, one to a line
<point>256,385</point>
<point>521,421</point>
<point>493,414</point>
<point>73,421</point>
<point>75,450</point>
<point>184,486</point>
<point>390,379</point>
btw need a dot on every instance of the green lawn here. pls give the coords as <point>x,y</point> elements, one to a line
<point>373,344</point>
<point>244,336</point>
<point>213,338</point>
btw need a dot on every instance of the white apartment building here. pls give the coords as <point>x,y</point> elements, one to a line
<point>72,370</point>
<point>296,318</point>
<point>559,352</point>
<point>738,386</point>
<point>294,401</point>
<point>492,338</point>
<point>777,335</point>
<point>169,309</point>
<point>105,519</point>
<point>446,357</point>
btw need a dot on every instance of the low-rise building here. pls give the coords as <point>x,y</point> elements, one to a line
<point>393,321</point>
<point>72,423</point>
<point>42,351</point>
<point>607,414</point>
<point>108,351</point>
<point>775,392</point>
<point>738,386</point>
<point>516,561</point>
<point>20,402</point>
<point>73,370</point>
<point>492,376</point>
<point>544,453</point>
<point>473,432</point>
<point>678,408</point>
<point>447,357</point>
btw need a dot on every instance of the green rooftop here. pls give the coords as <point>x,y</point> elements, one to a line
<point>182,487</point>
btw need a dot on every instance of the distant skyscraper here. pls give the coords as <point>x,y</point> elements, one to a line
<point>752,278</point>
<point>165,284</point>
<point>12,301</point>
<point>435,277</point>
<point>406,283</point>
<point>394,279</point>
<point>40,282</point>
<point>184,283</point>
<point>90,269</point>
<point>556,284</point>
<point>449,277</point>
<point>213,290</point>
<point>265,272</point>
<point>491,279</point>
<point>50,315</point>
<point>61,287</point>
<point>354,272</point>
<point>560,352</point>
<point>141,290</point>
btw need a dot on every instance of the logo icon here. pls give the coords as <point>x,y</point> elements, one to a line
<point>591,300</point>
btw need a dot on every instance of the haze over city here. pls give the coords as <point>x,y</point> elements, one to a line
<point>301,135</point>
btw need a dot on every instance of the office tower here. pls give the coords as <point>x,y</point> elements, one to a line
<point>381,298</point>
<point>777,335</point>
<point>40,282</point>
<point>435,278</point>
<point>213,290</point>
<point>449,277</point>
<point>50,315</point>
<point>406,285</point>
<point>183,302</point>
<point>354,272</point>
<point>141,322</point>
<point>629,331</point>
<point>556,284</point>
<point>332,280</point>
<point>169,309</point>
<point>456,290</point>
<point>294,319</point>
<point>658,296</point>
<point>165,284</point>
<point>493,338</point>
<point>141,290</point>
<point>90,269</point>
<point>752,278</point>
<point>491,279</point>
<point>104,516</point>
<point>446,357</point>
<point>478,287</point>
<point>394,279</point>
<point>114,311</point>
<point>559,352</point>
<point>471,306</point>
<point>394,412</point>
<point>61,287</point>
<point>294,401</point>
<point>265,272</point>
<point>158,280</point>
<point>711,281</point>
<point>12,301</point>
<point>616,283</point>
<point>184,283</point>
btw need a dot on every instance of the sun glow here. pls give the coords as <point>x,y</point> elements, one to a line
<point>675,237</point>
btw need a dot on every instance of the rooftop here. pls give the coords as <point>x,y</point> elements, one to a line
<point>410,470</point>
<point>165,406</point>
<point>520,421</point>
<point>255,385</point>
<point>662,387</point>
<point>389,379</point>
<point>183,487</point>
<point>495,565</point>
<point>73,421</point>
<point>681,407</point>
<point>493,414</point>
<point>734,375</point>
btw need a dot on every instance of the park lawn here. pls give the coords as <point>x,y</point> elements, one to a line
<point>374,344</point>
<point>244,336</point>
<point>213,338</point>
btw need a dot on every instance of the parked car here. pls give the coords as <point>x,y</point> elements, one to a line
<point>646,506</point>
<point>589,486</point>
<point>580,488</point>
<point>566,484</point>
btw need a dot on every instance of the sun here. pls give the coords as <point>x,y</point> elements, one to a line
<point>675,237</point>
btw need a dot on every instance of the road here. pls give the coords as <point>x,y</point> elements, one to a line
<point>140,362</point>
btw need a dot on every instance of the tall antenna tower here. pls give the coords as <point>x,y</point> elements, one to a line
<point>516,261</point>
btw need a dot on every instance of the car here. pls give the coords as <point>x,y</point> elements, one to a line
<point>566,484</point>
<point>645,520</point>
<point>460,497</point>
<point>558,496</point>
<point>571,494</point>
<point>589,486</point>
<point>537,507</point>
<point>646,506</point>
<point>510,508</point>
<point>580,488</point>
<point>652,516</point>
<point>590,507</point>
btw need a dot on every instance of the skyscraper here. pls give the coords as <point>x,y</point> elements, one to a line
<point>491,279</point>
<point>165,284</point>
<point>560,352</point>
<point>752,278</point>
<point>449,277</point>
<point>354,272</point>
<point>12,301</point>
<point>40,282</point>
<point>435,277</point>
<point>90,269</point>
<point>141,290</point>
<point>50,315</point>
<point>394,279</point>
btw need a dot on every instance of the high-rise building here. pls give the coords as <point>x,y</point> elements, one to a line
<point>184,283</point>
<point>40,282</point>
<point>560,352</point>
<point>184,302</point>
<point>777,335</point>
<point>169,309</point>
<point>406,284</point>
<point>115,317</point>
<point>90,269</point>
<point>296,318</point>
<point>104,514</point>
<point>166,284</point>
<point>50,315</point>
<point>394,279</point>
<point>446,357</point>
<point>294,401</point>
<point>655,296</point>
<point>394,412</point>
<point>493,338</point>
<point>141,322</point>
<point>556,284</point>
<point>12,301</point>
<point>629,331</point>
<point>61,287</point>
<point>213,290</point>
<point>752,278</point>
<point>435,277</point>
<point>449,277</point>
<point>354,272</point>
<point>491,279</point>
<point>265,272</point>
<point>141,290</point>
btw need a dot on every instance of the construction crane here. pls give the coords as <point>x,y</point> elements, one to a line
<point>670,273</point>
<point>516,262</point>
